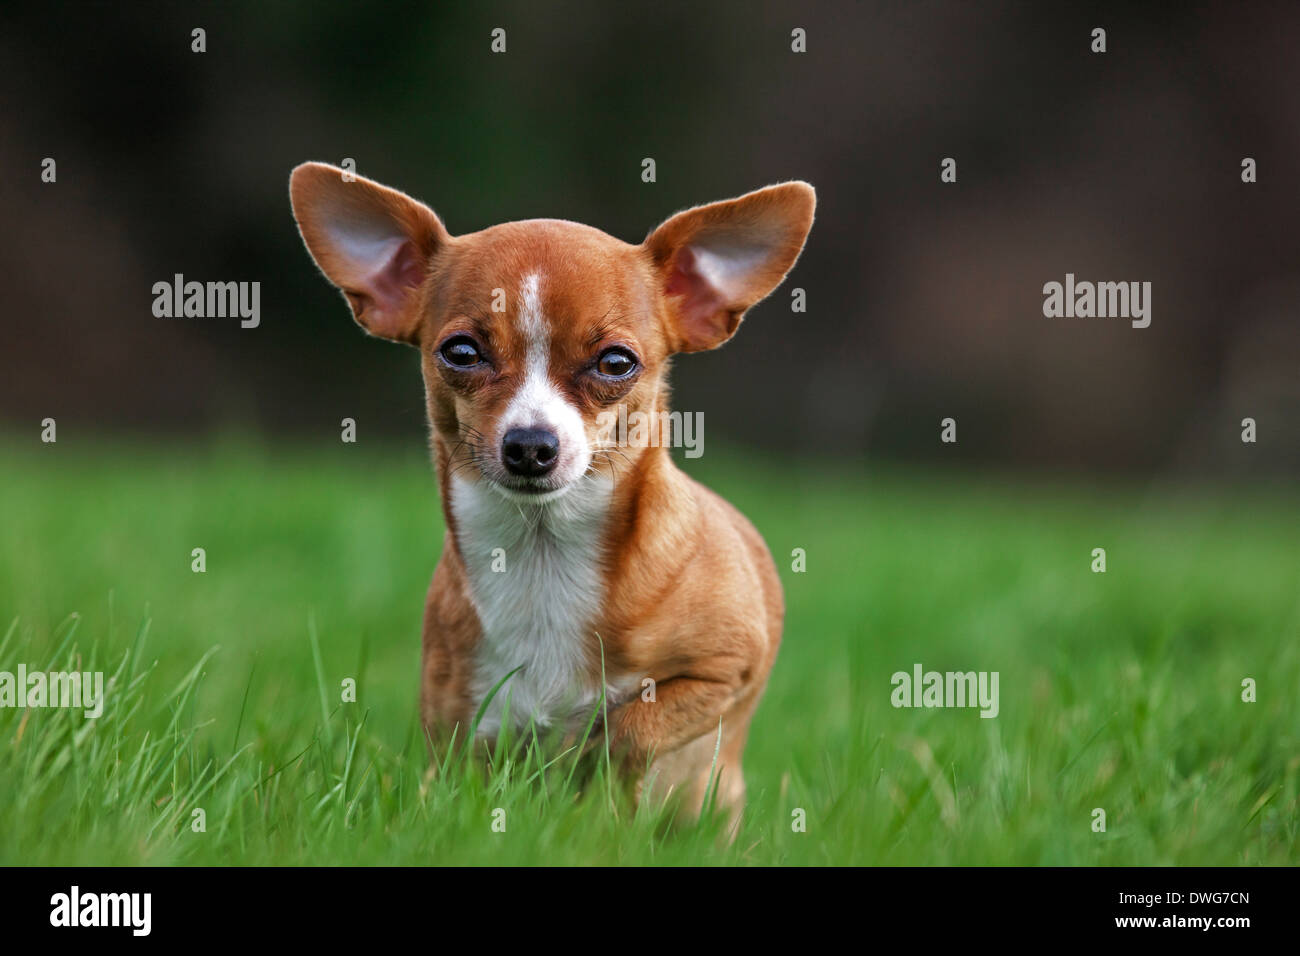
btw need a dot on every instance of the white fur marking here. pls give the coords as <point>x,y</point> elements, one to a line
<point>538,403</point>
<point>541,611</point>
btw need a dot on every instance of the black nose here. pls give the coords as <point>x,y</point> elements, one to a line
<point>530,452</point>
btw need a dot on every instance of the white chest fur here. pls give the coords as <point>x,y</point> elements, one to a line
<point>536,582</point>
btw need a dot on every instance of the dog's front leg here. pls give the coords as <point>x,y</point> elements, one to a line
<point>683,709</point>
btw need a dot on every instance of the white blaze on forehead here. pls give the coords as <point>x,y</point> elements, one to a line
<point>537,337</point>
<point>538,403</point>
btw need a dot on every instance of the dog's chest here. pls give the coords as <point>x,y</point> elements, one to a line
<point>536,582</point>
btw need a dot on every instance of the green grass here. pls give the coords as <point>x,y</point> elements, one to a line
<point>1119,690</point>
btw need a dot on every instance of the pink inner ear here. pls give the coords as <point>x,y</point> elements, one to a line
<point>702,309</point>
<point>389,285</point>
<point>382,297</point>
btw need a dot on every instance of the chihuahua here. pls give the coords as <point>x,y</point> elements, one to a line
<point>582,573</point>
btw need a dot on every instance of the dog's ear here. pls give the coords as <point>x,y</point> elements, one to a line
<point>716,261</point>
<point>373,242</point>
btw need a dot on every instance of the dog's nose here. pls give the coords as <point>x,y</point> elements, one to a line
<point>530,452</point>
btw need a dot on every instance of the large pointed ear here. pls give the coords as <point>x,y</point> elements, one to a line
<point>373,242</point>
<point>716,261</point>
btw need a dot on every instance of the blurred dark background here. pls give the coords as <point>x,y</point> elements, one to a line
<point>924,298</point>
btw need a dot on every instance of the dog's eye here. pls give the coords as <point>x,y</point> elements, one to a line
<point>616,363</point>
<point>460,352</point>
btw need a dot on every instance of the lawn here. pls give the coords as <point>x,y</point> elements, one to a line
<point>1119,690</point>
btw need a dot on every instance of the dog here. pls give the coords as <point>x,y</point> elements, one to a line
<point>581,573</point>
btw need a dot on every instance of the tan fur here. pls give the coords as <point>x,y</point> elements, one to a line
<point>691,596</point>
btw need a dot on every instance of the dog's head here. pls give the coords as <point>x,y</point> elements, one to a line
<point>531,332</point>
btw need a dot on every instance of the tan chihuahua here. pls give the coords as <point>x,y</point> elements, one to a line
<point>570,549</point>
